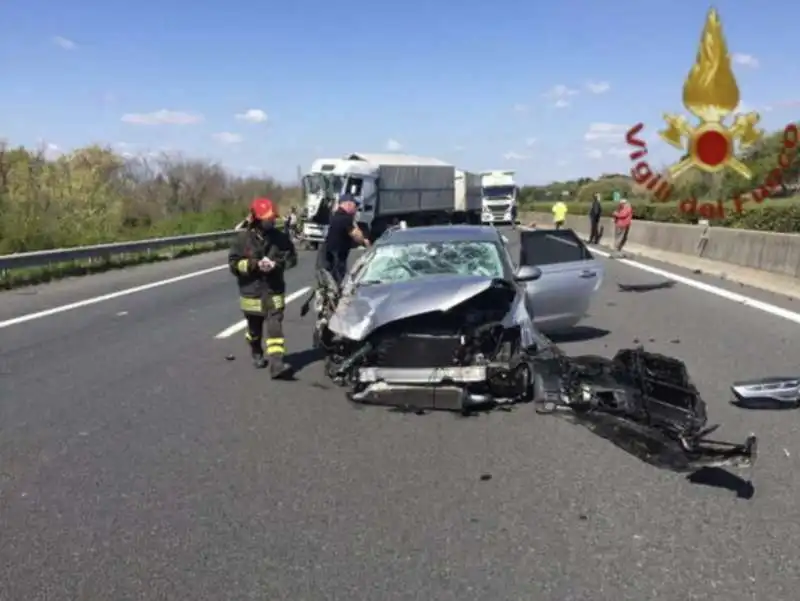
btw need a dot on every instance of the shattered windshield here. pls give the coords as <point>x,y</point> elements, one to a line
<point>402,262</point>
<point>318,183</point>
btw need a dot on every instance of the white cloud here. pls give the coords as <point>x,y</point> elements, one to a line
<point>162,117</point>
<point>598,87</point>
<point>747,60</point>
<point>49,150</point>
<point>253,116</point>
<point>64,43</point>
<point>226,137</point>
<point>514,156</point>
<point>560,95</point>
<point>393,145</point>
<point>607,132</point>
<point>530,142</point>
<point>594,153</point>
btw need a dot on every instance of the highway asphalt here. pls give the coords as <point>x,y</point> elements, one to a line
<point>138,463</point>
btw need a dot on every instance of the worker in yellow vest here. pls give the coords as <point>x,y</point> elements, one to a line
<point>559,214</point>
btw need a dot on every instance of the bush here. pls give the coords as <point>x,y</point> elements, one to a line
<point>93,195</point>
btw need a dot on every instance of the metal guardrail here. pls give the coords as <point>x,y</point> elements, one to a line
<point>41,258</point>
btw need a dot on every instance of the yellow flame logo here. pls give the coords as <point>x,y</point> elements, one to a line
<point>711,93</point>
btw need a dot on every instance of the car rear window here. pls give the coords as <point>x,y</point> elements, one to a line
<point>546,247</point>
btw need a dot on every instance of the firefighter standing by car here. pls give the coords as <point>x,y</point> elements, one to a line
<point>259,255</point>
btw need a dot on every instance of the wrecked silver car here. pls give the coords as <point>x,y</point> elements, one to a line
<point>431,317</point>
<point>438,318</point>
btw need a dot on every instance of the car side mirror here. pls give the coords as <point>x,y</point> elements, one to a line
<point>527,273</point>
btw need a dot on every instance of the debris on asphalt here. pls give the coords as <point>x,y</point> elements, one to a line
<point>485,477</point>
<point>230,357</point>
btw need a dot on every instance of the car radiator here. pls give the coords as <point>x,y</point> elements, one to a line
<point>418,350</point>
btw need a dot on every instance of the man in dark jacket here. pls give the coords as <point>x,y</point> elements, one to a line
<point>343,235</point>
<point>595,212</point>
<point>259,255</point>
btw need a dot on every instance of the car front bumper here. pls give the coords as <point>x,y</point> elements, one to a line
<point>438,388</point>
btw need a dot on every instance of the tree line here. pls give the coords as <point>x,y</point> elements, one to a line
<point>94,195</point>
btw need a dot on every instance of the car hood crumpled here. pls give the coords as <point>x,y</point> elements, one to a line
<point>369,307</point>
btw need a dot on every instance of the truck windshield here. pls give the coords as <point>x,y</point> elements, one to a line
<point>311,184</point>
<point>499,192</point>
<point>317,183</point>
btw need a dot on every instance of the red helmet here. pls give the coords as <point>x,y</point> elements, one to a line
<point>263,209</point>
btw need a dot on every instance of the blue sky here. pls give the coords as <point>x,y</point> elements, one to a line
<point>489,85</point>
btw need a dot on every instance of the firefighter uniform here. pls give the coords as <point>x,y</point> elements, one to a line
<point>262,293</point>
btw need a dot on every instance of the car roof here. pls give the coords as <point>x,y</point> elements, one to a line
<point>440,233</point>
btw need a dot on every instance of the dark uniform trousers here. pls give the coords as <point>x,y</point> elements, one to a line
<point>262,314</point>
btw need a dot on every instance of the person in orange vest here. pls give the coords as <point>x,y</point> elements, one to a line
<point>623,216</point>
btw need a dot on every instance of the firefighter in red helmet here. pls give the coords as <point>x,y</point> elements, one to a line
<point>258,258</point>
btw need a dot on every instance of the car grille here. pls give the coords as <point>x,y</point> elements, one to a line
<point>418,350</point>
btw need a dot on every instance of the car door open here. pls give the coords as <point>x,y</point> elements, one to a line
<point>570,276</point>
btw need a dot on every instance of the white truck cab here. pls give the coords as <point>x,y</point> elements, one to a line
<point>499,197</point>
<point>319,184</point>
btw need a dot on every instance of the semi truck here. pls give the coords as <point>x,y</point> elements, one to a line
<point>320,186</point>
<point>499,195</point>
<point>390,188</point>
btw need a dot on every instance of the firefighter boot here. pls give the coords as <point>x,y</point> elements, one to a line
<point>278,368</point>
<point>256,352</point>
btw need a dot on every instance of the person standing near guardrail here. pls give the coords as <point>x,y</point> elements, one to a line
<point>560,214</point>
<point>259,255</point>
<point>595,212</point>
<point>623,216</point>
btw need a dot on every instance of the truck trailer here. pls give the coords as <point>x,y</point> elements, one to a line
<point>390,188</point>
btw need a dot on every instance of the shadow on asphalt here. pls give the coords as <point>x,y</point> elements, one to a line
<point>303,359</point>
<point>579,334</point>
<point>716,477</point>
<point>665,285</point>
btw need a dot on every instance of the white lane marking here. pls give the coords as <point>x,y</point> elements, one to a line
<point>241,325</point>
<point>105,297</point>
<point>721,292</point>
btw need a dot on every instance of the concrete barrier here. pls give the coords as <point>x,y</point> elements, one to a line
<point>765,251</point>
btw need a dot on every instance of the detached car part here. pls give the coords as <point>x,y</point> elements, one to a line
<point>767,393</point>
<point>643,402</point>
